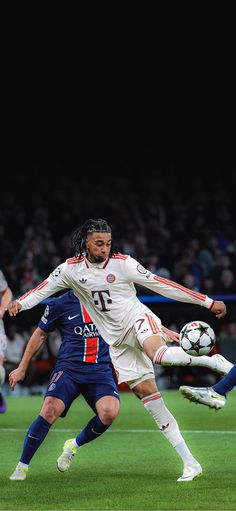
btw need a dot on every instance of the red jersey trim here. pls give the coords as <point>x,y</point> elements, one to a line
<point>213,301</point>
<point>194,294</point>
<point>104,266</point>
<point>119,256</point>
<point>40,286</point>
<point>75,260</point>
<point>106,263</point>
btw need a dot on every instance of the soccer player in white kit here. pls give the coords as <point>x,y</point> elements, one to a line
<point>5,297</point>
<point>103,279</point>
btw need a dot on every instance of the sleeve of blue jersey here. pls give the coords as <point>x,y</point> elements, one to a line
<point>48,321</point>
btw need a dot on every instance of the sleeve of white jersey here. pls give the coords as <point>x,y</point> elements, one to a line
<point>136,273</point>
<point>55,282</point>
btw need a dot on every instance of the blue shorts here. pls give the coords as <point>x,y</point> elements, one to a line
<point>93,381</point>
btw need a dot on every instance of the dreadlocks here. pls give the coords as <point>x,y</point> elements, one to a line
<point>79,236</point>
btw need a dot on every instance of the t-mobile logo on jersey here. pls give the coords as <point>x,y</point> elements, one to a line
<point>102,299</point>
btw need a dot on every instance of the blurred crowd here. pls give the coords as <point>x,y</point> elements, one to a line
<point>182,228</point>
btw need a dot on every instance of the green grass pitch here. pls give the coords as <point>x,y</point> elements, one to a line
<point>131,467</point>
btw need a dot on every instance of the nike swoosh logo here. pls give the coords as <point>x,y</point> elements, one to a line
<point>95,432</point>
<point>72,317</point>
<point>116,393</point>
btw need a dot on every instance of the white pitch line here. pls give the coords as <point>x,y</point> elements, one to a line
<point>194,431</point>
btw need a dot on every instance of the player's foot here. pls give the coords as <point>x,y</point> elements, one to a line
<point>64,461</point>
<point>204,395</point>
<point>191,471</point>
<point>223,366</point>
<point>19,473</point>
<point>3,404</point>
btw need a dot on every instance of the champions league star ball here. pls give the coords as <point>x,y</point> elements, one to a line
<point>197,338</point>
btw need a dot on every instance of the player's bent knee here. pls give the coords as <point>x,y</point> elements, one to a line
<point>112,413</point>
<point>108,410</point>
<point>108,417</point>
<point>52,409</point>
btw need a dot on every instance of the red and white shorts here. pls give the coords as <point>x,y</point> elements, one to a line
<point>131,363</point>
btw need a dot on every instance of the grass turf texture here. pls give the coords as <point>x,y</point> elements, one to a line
<point>122,470</point>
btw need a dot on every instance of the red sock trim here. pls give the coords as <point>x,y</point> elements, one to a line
<point>153,397</point>
<point>159,354</point>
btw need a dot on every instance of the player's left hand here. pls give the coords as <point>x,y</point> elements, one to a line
<point>219,309</point>
<point>14,308</point>
<point>172,336</point>
<point>16,375</point>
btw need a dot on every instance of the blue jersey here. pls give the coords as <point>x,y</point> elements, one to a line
<point>81,342</point>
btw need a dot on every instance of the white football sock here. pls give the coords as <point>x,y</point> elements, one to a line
<point>185,453</point>
<point>167,424</point>
<point>176,356</point>
<point>75,443</point>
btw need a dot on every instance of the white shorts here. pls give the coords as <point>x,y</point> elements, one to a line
<point>128,357</point>
<point>3,339</point>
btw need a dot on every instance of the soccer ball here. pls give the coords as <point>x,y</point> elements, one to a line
<point>197,338</point>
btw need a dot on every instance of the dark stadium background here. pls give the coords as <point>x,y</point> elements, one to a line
<point>176,218</point>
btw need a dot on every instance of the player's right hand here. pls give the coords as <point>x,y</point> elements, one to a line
<point>14,307</point>
<point>17,375</point>
<point>219,309</point>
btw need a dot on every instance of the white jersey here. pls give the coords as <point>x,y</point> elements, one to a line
<point>108,293</point>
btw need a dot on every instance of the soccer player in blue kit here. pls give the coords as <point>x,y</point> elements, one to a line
<point>83,367</point>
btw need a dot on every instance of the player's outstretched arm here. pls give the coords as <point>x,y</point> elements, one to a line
<point>139,275</point>
<point>14,308</point>
<point>35,342</point>
<point>219,309</point>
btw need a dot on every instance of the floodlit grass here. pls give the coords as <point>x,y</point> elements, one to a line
<point>125,469</point>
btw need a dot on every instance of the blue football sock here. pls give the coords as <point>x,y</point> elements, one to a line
<point>34,437</point>
<point>93,430</point>
<point>227,383</point>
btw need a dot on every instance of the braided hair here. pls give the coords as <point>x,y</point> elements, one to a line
<point>79,236</point>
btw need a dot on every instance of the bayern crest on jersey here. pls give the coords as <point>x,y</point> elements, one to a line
<point>110,278</point>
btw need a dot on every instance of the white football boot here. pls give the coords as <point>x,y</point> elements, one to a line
<point>19,473</point>
<point>223,366</point>
<point>191,471</point>
<point>69,451</point>
<point>204,395</point>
